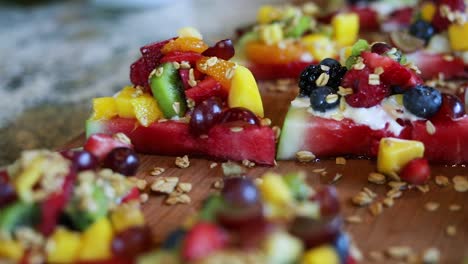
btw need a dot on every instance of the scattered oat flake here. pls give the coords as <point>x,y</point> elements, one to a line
<point>340,161</point>
<point>388,202</point>
<point>376,209</point>
<point>455,207</point>
<point>399,252</point>
<point>431,256</point>
<point>430,128</point>
<point>248,163</point>
<point>213,165</point>
<point>376,178</point>
<point>369,192</point>
<point>362,199</point>
<point>460,183</point>
<point>431,206</point>
<point>394,193</point>
<point>144,197</point>
<point>236,129</point>
<point>182,162</point>
<point>218,184</point>
<point>397,184</point>
<point>305,156</point>
<point>442,181</point>
<point>156,171</point>
<point>354,219</point>
<point>318,170</point>
<point>182,199</point>
<point>376,256</point>
<point>165,185</point>
<point>337,177</point>
<point>184,187</point>
<point>451,230</point>
<point>423,188</point>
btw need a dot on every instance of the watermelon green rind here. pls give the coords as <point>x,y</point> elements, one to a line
<point>293,133</point>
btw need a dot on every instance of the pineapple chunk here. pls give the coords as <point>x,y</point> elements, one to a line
<point>395,153</point>
<point>321,255</point>
<point>428,10</point>
<point>65,246</point>
<point>320,46</point>
<point>104,108</point>
<point>189,32</point>
<point>275,191</point>
<point>267,14</point>
<point>11,250</point>
<point>457,36</point>
<point>96,241</point>
<point>125,217</point>
<point>244,91</point>
<point>281,247</point>
<point>271,34</point>
<point>345,28</point>
<point>146,109</point>
<point>123,102</point>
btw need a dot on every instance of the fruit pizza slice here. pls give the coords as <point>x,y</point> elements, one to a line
<point>65,208</point>
<point>379,95</point>
<point>288,38</point>
<point>280,220</point>
<point>188,99</point>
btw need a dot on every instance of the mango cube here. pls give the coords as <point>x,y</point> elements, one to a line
<point>244,91</point>
<point>274,190</point>
<point>123,102</point>
<point>395,153</point>
<point>428,10</point>
<point>65,246</point>
<point>345,28</point>
<point>104,108</point>
<point>146,109</point>
<point>320,46</point>
<point>271,34</point>
<point>281,247</point>
<point>267,14</point>
<point>124,217</point>
<point>11,250</point>
<point>321,255</point>
<point>25,182</point>
<point>457,36</point>
<point>96,241</point>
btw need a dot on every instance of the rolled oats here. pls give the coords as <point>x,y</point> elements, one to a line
<point>376,208</point>
<point>399,252</point>
<point>182,162</point>
<point>431,206</point>
<point>362,199</point>
<point>376,178</point>
<point>388,202</point>
<point>305,156</point>
<point>156,171</point>
<point>184,187</point>
<point>442,181</point>
<point>340,161</point>
<point>431,256</point>
<point>354,219</point>
<point>451,230</point>
<point>460,183</point>
<point>455,207</point>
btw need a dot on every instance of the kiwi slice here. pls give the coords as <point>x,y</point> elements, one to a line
<point>166,86</point>
<point>302,25</point>
<point>18,214</point>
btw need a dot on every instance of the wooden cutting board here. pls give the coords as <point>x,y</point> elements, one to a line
<point>407,223</point>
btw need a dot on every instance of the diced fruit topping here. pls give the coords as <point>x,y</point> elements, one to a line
<point>104,108</point>
<point>320,46</point>
<point>417,171</point>
<point>131,242</point>
<point>324,98</point>
<point>221,70</point>
<point>275,191</point>
<point>239,192</point>
<point>365,92</point>
<point>328,72</point>
<point>282,247</point>
<point>205,115</point>
<point>239,114</point>
<point>316,232</point>
<point>167,90</point>
<point>146,109</point>
<point>202,240</point>
<point>185,44</point>
<point>457,36</point>
<point>422,101</point>
<point>102,144</point>
<point>356,50</point>
<point>422,30</point>
<point>428,10</point>
<point>406,42</point>
<point>395,153</point>
<point>66,246</point>
<point>321,255</point>
<point>122,160</point>
<point>272,54</point>
<point>451,108</point>
<point>205,89</point>
<point>345,28</point>
<point>441,20</point>
<point>244,91</point>
<point>96,241</point>
<point>189,32</point>
<point>223,49</point>
<point>180,56</point>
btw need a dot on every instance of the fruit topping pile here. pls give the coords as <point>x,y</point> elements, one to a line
<point>279,220</point>
<point>287,38</point>
<point>75,206</point>
<point>182,78</point>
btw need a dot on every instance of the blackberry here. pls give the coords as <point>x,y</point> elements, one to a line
<point>309,76</point>
<point>318,99</point>
<point>422,29</point>
<point>423,101</point>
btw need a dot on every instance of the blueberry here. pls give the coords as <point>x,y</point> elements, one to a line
<point>397,89</point>
<point>309,76</point>
<point>330,62</point>
<point>174,239</point>
<point>318,99</point>
<point>342,244</point>
<point>423,101</point>
<point>422,29</point>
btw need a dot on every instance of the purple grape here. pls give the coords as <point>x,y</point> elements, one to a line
<point>380,48</point>
<point>240,114</point>
<point>240,192</point>
<point>223,49</point>
<point>131,242</point>
<point>315,232</point>
<point>81,159</point>
<point>7,191</point>
<point>328,200</point>
<point>205,115</point>
<point>122,160</point>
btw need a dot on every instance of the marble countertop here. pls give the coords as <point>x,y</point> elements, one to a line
<point>54,58</point>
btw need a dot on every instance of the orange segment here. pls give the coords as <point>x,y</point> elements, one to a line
<point>273,54</point>
<point>221,70</point>
<point>185,44</point>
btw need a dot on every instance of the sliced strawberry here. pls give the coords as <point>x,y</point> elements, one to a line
<point>101,144</point>
<point>431,65</point>
<point>416,171</point>
<point>368,18</point>
<point>364,94</point>
<point>206,89</point>
<point>53,205</point>
<point>180,56</point>
<point>133,194</point>
<point>202,240</point>
<point>394,73</point>
<point>440,21</point>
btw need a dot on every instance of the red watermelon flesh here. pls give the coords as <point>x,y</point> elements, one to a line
<point>290,70</point>
<point>254,143</point>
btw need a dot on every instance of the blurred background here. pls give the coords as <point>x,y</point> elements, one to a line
<point>56,55</point>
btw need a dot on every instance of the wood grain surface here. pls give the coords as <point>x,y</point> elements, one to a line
<point>407,223</point>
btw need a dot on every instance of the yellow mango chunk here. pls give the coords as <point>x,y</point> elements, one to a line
<point>11,250</point>
<point>244,91</point>
<point>146,109</point>
<point>320,46</point>
<point>28,178</point>
<point>321,255</point>
<point>271,34</point>
<point>189,32</point>
<point>104,108</point>
<point>345,28</point>
<point>125,217</point>
<point>267,14</point>
<point>123,102</point>
<point>96,241</point>
<point>395,153</point>
<point>457,36</point>
<point>274,190</point>
<point>428,10</point>
<point>65,246</point>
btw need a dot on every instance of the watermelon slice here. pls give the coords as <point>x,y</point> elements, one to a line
<point>327,137</point>
<point>431,64</point>
<point>277,71</point>
<point>254,143</point>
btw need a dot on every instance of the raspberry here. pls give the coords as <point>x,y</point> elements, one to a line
<point>364,94</point>
<point>439,21</point>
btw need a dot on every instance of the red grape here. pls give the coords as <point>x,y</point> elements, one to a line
<point>240,114</point>
<point>240,192</point>
<point>122,160</point>
<point>380,48</point>
<point>223,49</point>
<point>131,242</point>
<point>451,108</point>
<point>205,115</point>
<point>315,232</point>
<point>81,159</point>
